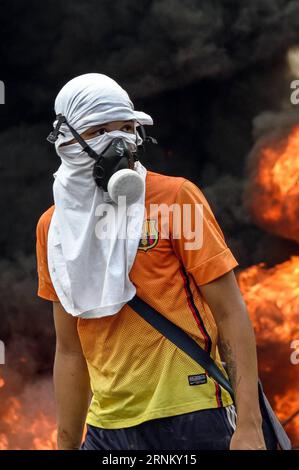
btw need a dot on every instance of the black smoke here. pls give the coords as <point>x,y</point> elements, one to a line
<point>150,46</point>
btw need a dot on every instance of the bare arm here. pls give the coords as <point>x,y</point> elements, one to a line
<point>71,380</point>
<point>238,349</point>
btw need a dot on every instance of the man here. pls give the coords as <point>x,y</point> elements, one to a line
<point>146,393</point>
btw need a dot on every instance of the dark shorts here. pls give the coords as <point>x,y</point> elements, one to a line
<point>210,429</point>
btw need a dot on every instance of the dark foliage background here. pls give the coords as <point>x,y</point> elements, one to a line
<point>203,69</point>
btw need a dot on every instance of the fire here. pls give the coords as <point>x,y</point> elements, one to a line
<point>27,421</point>
<point>272,295</point>
<point>273,190</point>
<point>272,298</point>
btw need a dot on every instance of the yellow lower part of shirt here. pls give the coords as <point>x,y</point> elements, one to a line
<point>94,419</point>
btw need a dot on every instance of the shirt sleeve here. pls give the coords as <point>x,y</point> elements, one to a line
<point>197,239</point>
<point>45,287</point>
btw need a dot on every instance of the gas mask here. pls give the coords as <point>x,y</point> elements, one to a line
<point>113,170</point>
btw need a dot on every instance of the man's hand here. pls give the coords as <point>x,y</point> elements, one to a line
<point>250,438</point>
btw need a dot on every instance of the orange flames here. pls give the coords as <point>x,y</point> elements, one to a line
<point>27,422</point>
<point>274,187</point>
<point>272,295</point>
<point>272,298</point>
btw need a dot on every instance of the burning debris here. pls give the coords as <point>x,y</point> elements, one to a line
<point>27,411</point>
<point>272,298</point>
<point>272,294</point>
<point>27,419</point>
<point>273,189</point>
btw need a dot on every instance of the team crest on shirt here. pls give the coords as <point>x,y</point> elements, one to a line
<point>149,236</point>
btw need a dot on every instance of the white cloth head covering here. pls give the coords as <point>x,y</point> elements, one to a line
<point>93,99</point>
<point>92,242</point>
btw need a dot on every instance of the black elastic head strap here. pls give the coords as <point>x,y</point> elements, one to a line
<point>146,138</point>
<point>53,136</point>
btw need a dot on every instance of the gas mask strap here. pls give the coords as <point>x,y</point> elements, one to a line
<point>53,136</point>
<point>146,139</point>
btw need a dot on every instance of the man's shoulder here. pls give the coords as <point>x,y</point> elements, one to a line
<point>166,185</point>
<point>160,178</point>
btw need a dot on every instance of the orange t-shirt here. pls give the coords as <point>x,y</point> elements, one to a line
<point>136,373</point>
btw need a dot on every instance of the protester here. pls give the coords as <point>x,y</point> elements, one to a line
<point>94,254</point>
